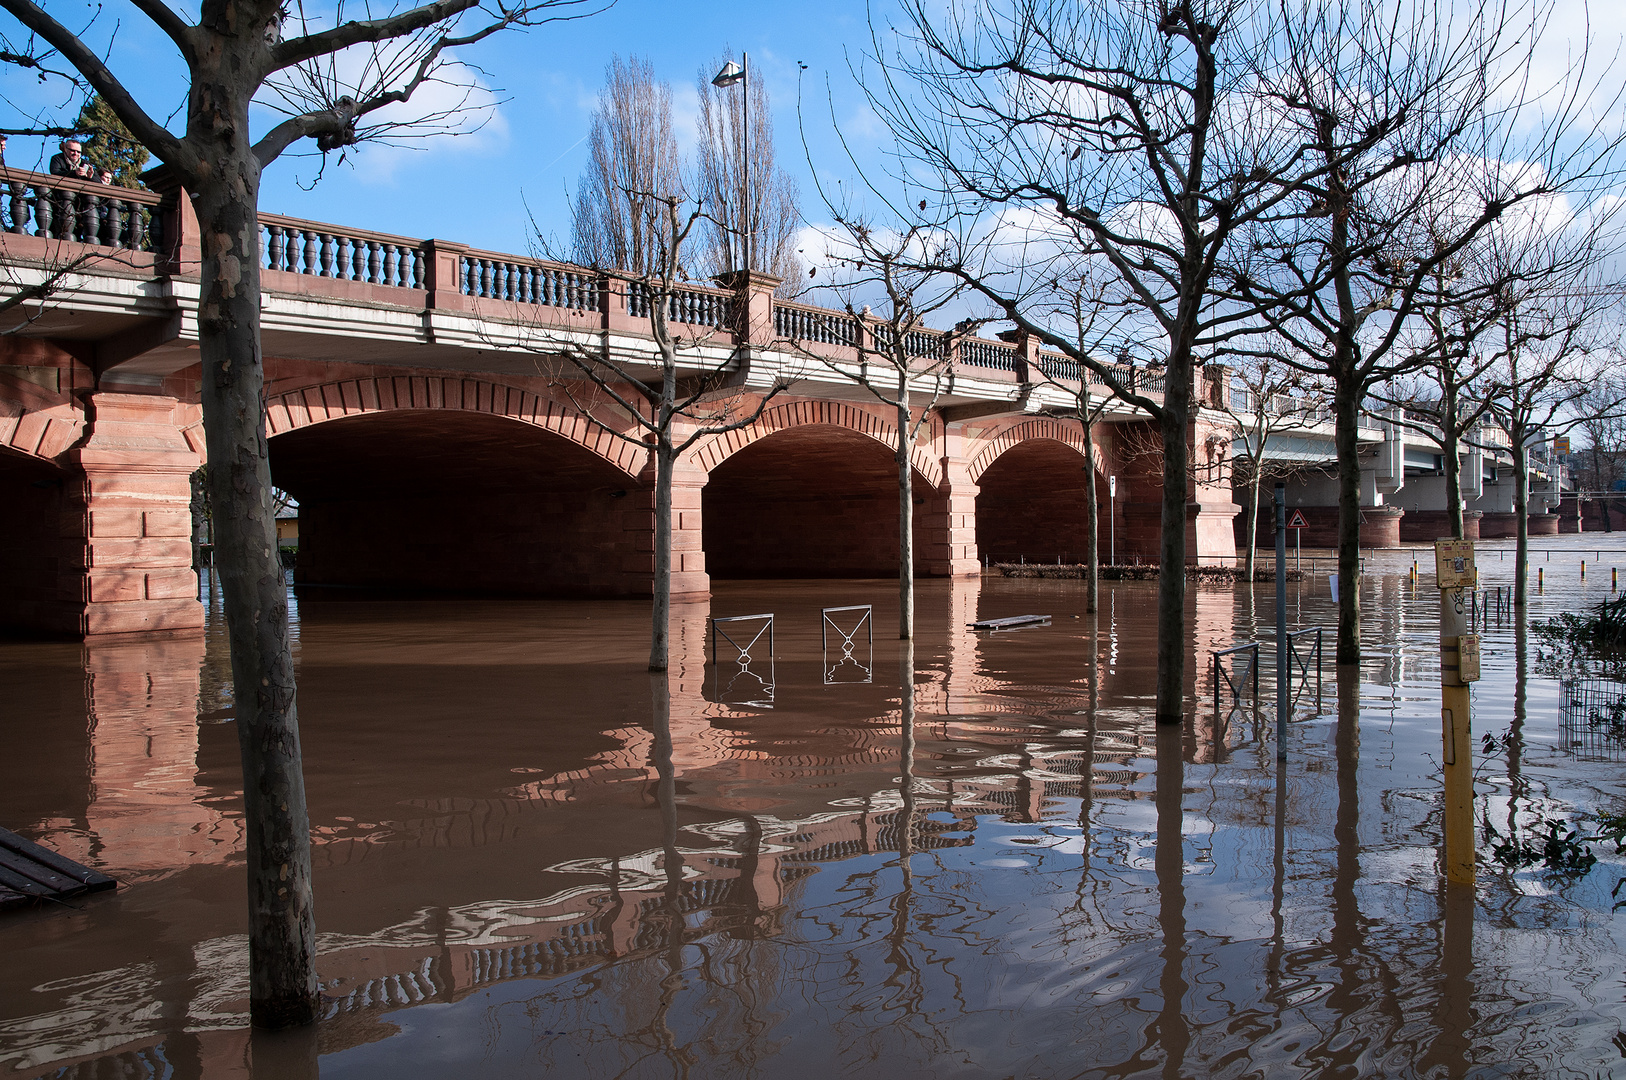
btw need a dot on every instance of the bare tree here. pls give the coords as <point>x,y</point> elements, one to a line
<point>1549,371</point>
<point>238,52</point>
<point>618,218</point>
<point>898,364</point>
<point>687,400</point>
<point>1602,464</point>
<point>1418,120</point>
<point>752,204</point>
<point>1267,400</point>
<point>1115,144</point>
<point>1443,394</point>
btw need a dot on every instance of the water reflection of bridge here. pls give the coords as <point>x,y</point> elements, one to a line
<point>750,826</point>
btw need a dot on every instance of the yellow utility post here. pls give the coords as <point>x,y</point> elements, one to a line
<point>1459,665</point>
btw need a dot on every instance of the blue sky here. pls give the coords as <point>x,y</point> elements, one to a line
<point>483,188</point>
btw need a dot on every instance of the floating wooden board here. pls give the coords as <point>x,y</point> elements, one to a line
<point>30,873</point>
<point>1010,623</point>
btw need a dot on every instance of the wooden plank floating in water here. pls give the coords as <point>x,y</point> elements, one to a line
<point>1010,623</point>
<point>30,873</point>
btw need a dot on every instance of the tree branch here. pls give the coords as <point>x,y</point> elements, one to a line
<point>151,134</point>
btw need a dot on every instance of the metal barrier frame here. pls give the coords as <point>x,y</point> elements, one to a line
<point>1219,670</point>
<point>744,651</point>
<point>1300,660</point>
<point>743,659</point>
<point>865,621</point>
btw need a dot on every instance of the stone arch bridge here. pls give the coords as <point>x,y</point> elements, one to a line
<point>419,409</point>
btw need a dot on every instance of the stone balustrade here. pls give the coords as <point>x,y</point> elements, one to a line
<point>693,305</point>
<point>81,211</point>
<point>493,276</point>
<point>293,246</point>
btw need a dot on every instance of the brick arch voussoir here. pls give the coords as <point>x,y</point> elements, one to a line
<point>1060,431</point>
<point>712,452</point>
<point>42,434</point>
<point>304,406</point>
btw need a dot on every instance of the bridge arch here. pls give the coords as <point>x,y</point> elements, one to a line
<point>1033,497</point>
<point>1065,432</point>
<point>300,407</point>
<point>455,485</point>
<point>869,422</point>
<point>810,491</point>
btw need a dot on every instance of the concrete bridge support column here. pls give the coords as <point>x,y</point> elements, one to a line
<point>1211,513</point>
<point>127,528</point>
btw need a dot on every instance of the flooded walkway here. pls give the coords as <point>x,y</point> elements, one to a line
<point>531,858</point>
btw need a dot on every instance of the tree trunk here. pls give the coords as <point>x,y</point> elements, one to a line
<point>906,547</point>
<point>661,608</point>
<point>1521,511</point>
<point>1347,414</point>
<point>1253,513</point>
<point>1092,512</point>
<point>1450,439</point>
<point>906,518</point>
<point>282,924</point>
<point>1171,578</point>
<point>1453,481</point>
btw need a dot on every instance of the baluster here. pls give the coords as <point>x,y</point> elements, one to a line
<point>310,265</point>
<point>19,208</point>
<point>109,221</point>
<point>470,276</point>
<point>358,259</point>
<point>510,281</point>
<point>325,250</point>
<point>82,218</point>
<point>391,263</point>
<point>273,247</point>
<point>375,261</point>
<point>47,214</point>
<point>484,271</point>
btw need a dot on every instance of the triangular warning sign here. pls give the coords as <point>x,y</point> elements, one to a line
<point>1297,521</point>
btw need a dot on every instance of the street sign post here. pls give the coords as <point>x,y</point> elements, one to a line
<point>1298,524</point>
<point>1459,665</point>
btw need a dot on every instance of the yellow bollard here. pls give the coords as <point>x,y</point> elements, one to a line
<point>1459,666</point>
<point>1539,584</point>
<point>1583,569</point>
<point>1614,578</point>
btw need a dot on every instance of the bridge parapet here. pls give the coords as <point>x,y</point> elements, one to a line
<point>64,208</point>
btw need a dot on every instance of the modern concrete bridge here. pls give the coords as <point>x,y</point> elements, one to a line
<point>420,410</point>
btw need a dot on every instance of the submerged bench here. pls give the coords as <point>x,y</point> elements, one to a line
<point>1010,623</point>
<point>30,874</point>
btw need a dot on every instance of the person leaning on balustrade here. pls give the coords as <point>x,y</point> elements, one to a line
<point>69,162</point>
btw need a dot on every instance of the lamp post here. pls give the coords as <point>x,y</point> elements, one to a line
<point>738,73</point>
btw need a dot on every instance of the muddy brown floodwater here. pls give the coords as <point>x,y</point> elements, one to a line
<point>531,858</point>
